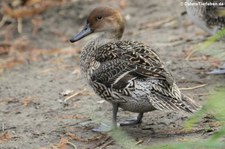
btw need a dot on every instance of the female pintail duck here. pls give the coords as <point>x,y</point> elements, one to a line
<point>128,74</point>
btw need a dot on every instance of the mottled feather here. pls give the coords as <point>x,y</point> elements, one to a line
<point>124,61</point>
<point>137,55</point>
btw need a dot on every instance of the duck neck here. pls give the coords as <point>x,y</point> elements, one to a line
<point>89,51</point>
<point>106,37</point>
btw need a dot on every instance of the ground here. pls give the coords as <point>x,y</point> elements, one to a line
<point>36,106</point>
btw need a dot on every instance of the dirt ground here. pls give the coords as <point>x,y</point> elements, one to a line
<point>37,113</point>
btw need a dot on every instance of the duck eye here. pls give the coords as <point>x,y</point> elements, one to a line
<point>99,18</point>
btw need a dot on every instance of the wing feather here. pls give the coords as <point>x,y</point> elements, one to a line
<point>123,62</point>
<point>137,55</point>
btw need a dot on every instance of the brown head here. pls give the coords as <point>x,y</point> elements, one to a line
<point>102,19</point>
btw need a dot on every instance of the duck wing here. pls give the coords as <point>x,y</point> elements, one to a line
<point>136,55</point>
<point>123,62</point>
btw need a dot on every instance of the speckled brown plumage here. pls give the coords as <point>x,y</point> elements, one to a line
<point>125,64</point>
<point>128,74</point>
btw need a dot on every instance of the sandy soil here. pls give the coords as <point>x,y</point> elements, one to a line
<point>33,111</point>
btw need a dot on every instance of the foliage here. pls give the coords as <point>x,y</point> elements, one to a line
<point>206,48</point>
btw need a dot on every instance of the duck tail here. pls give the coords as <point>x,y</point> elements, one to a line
<point>190,105</point>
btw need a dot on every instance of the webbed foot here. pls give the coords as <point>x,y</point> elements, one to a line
<point>134,121</point>
<point>103,128</point>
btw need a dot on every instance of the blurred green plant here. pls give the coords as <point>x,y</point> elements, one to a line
<point>205,47</point>
<point>123,139</point>
<point>215,107</point>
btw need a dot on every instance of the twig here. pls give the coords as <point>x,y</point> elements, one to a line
<point>201,94</point>
<point>4,19</point>
<point>73,145</point>
<point>156,24</point>
<point>181,131</point>
<point>79,122</point>
<point>190,54</point>
<point>100,144</point>
<point>73,95</point>
<point>107,144</point>
<point>3,127</point>
<point>198,58</point>
<point>20,25</point>
<point>171,44</point>
<point>194,87</point>
<point>139,142</point>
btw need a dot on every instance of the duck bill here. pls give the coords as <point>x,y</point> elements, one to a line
<point>86,31</point>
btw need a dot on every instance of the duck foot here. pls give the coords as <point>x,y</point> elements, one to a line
<point>103,128</point>
<point>106,128</point>
<point>136,121</point>
<point>130,122</point>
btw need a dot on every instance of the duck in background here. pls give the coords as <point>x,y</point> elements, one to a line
<point>209,15</point>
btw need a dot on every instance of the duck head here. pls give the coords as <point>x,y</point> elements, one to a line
<point>102,19</point>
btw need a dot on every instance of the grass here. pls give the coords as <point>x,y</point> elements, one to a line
<point>205,47</point>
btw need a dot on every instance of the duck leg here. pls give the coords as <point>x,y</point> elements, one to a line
<point>105,128</point>
<point>138,120</point>
<point>115,111</point>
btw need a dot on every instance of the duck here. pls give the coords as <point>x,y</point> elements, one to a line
<point>128,74</point>
<point>208,15</point>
